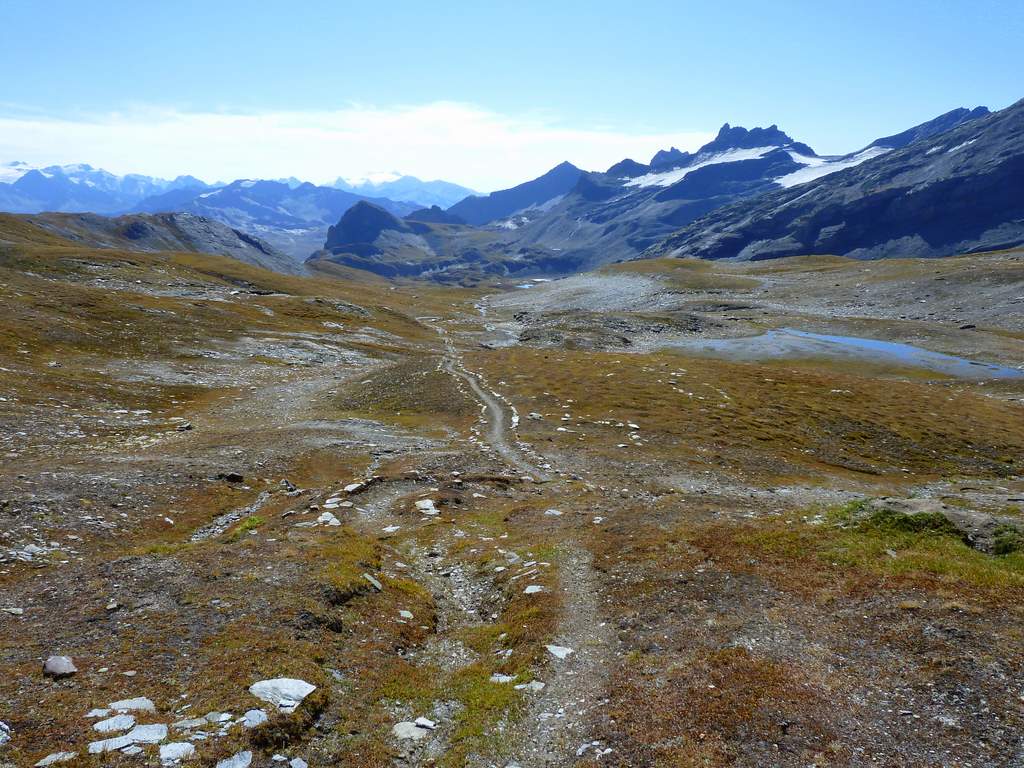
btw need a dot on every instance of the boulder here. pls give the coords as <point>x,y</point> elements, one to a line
<point>59,667</point>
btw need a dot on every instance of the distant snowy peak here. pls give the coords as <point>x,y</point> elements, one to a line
<point>370,180</point>
<point>396,186</point>
<point>12,171</point>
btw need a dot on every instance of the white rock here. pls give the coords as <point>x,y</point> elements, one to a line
<point>533,589</point>
<point>239,760</point>
<point>148,734</point>
<point>328,519</point>
<point>407,730</point>
<point>254,717</point>
<point>138,704</point>
<point>114,724</point>
<point>59,666</point>
<point>283,692</point>
<point>559,651</point>
<point>109,745</point>
<point>56,757</point>
<point>176,751</point>
<point>427,507</point>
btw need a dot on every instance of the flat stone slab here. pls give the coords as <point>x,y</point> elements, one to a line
<point>138,704</point>
<point>114,724</point>
<point>285,693</point>
<point>239,760</point>
<point>176,751</point>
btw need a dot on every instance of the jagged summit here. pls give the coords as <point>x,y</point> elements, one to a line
<point>732,137</point>
<point>738,137</point>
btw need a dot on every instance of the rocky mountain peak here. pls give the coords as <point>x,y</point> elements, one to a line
<point>362,223</point>
<point>738,137</point>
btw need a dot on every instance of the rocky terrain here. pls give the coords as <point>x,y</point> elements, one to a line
<point>254,519</point>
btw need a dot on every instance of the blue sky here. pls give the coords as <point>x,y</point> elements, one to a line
<point>484,94</point>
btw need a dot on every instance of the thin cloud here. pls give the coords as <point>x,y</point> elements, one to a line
<point>441,140</point>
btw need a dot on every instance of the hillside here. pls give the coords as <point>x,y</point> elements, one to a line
<point>954,192</point>
<point>538,193</point>
<point>150,233</point>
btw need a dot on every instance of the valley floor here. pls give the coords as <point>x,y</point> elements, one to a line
<point>545,520</point>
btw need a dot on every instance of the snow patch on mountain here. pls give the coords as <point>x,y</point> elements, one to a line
<point>818,167</point>
<point>668,178</point>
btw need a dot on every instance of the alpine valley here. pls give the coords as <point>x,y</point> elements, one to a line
<point>712,459</point>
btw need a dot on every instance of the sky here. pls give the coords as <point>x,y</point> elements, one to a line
<point>482,94</point>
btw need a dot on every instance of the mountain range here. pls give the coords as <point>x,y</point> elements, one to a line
<point>570,220</point>
<point>294,215</point>
<point>409,189</point>
<point>935,194</point>
<point>951,184</point>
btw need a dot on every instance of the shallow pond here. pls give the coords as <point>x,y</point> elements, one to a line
<point>786,343</point>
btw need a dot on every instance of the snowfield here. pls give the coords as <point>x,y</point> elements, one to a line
<point>668,178</point>
<point>817,167</point>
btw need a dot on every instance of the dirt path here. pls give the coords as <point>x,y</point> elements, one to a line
<point>497,414</point>
<point>554,732</point>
